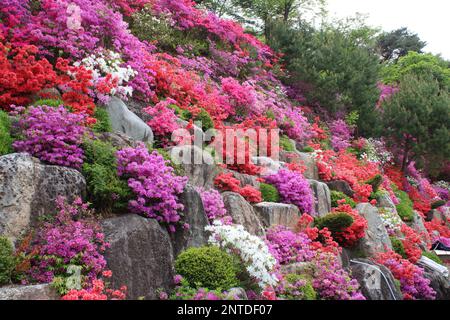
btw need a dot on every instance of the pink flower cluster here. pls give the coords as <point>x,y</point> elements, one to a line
<point>163,119</point>
<point>154,183</point>
<point>53,135</point>
<point>293,189</point>
<point>341,134</point>
<point>289,247</point>
<point>212,203</point>
<point>71,239</point>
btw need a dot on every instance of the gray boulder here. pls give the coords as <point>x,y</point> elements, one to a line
<point>242,213</point>
<point>418,225</point>
<point>304,158</point>
<point>140,255</point>
<point>194,215</point>
<point>29,189</point>
<point>440,281</point>
<point>342,186</point>
<point>272,214</point>
<point>322,198</point>
<point>31,292</point>
<point>244,179</point>
<point>385,201</point>
<point>376,281</point>
<point>376,238</point>
<point>269,166</point>
<point>125,121</point>
<point>198,165</point>
<point>118,139</point>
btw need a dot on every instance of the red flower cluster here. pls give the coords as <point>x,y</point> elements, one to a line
<point>411,243</point>
<point>98,291</point>
<point>226,182</point>
<point>321,239</point>
<point>356,231</point>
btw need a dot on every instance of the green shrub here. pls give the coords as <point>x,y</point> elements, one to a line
<point>207,267</point>
<point>286,144</point>
<point>103,123</point>
<point>205,118</point>
<point>437,204</point>
<point>335,222</point>
<point>5,136</point>
<point>375,182</point>
<point>269,193</point>
<point>48,102</point>
<point>106,191</point>
<point>398,247</point>
<point>433,256</point>
<point>307,291</point>
<point>405,207</point>
<point>337,195</point>
<point>7,260</point>
<point>308,149</point>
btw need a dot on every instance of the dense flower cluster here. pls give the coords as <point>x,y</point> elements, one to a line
<point>293,189</point>
<point>212,203</point>
<point>288,246</point>
<point>71,239</point>
<point>154,183</point>
<point>226,182</point>
<point>97,291</point>
<point>350,236</point>
<point>341,134</point>
<point>163,120</point>
<point>412,281</point>
<point>53,135</point>
<point>253,252</point>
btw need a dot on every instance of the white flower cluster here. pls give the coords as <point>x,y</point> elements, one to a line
<point>252,250</point>
<point>375,151</point>
<point>390,219</point>
<point>106,62</point>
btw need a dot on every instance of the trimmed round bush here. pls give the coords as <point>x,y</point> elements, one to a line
<point>337,195</point>
<point>207,267</point>
<point>7,261</point>
<point>335,222</point>
<point>375,182</point>
<point>269,193</point>
<point>205,118</point>
<point>405,207</point>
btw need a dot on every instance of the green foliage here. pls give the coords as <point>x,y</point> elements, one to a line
<point>308,149</point>
<point>335,222</point>
<point>375,182</point>
<point>106,191</point>
<point>419,65</point>
<point>352,118</point>
<point>103,123</point>
<point>48,102</point>
<point>397,43</point>
<point>307,290</point>
<point>433,256</point>
<point>7,260</point>
<point>185,292</point>
<point>5,137</point>
<point>416,119</point>
<point>208,267</point>
<point>206,120</point>
<point>337,195</point>
<point>398,247</point>
<point>338,65</point>
<point>286,144</point>
<point>438,204</point>
<point>269,193</point>
<point>405,207</point>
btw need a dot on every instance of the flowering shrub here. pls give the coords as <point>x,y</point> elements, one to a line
<point>226,182</point>
<point>412,281</point>
<point>153,182</point>
<point>341,134</point>
<point>412,243</point>
<point>212,203</point>
<point>287,246</point>
<point>53,135</point>
<point>391,220</point>
<point>295,287</point>
<point>293,189</point>
<point>350,236</point>
<point>254,253</point>
<point>71,239</point>
<point>108,75</point>
<point>163,120</point>
<point>98,290</point>
<point>183,291</point>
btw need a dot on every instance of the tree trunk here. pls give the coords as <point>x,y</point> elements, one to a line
<point>405,158</point>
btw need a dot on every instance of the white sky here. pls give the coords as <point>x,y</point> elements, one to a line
<point>430,19</point>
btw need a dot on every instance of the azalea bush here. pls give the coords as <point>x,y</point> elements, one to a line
<point>54,135</point>
<point>212,203</point>
<point>154,184</point>
<point>253,252</point>
<point>97,290</point>
<point>295,287</point>
<point>227,182</point>
<point>293,189</point>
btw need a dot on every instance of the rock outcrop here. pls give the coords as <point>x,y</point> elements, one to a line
<point>31,292</point>
<point>125,121</point>
<point>29,189</point>
<point>375,280</point>
<point>194,215</point>
<point>341,186</point>
<point>272,214</point>
<point>242,213</point>
<point>140,255</point>
<point>322,198</point>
